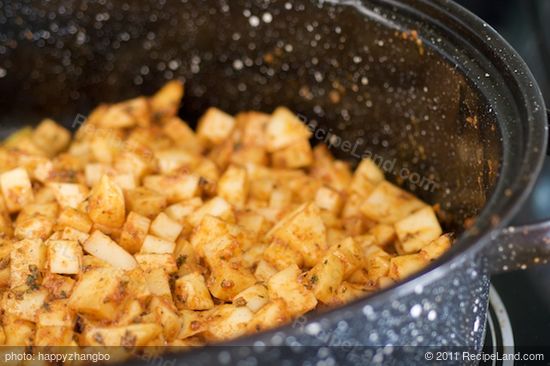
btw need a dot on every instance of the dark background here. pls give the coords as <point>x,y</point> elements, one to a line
<point>526,294</point>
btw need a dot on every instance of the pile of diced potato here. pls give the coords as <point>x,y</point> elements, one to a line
<point>140,231</point>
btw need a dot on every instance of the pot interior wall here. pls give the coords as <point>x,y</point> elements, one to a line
<point>358,73</point>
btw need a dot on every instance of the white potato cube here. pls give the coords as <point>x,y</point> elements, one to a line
<point>166,228</point>
<point>233,186</point>
<point>192,293</point>
<point>217,207</point>
<point>106,204</point>
<point>64,256</point>
<point>134,231</point>
<point>253,297</point>
<point>51,137</point>
<point>16,189</point>
<point>69,194</point>
<point>328,199</point>
<point>227,321</point>
<point>417,230</point>
<point>403,266</point>
<point>215,126</point>
<point>287,286</point>
<point>104,248</point>
<point>154,245</point>
<point>27,259</point>
<point>284,129</point>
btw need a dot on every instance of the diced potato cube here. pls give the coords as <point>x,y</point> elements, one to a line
<point>35,227</point>
<point>126,114</point>
<point>76,219</point>
<point>192,293</point>
<point>227,321</point>
<point>56,314</point>
<point>23,303</point>
<point>403,266</point>
<point>350,253</point>
<point>366,177</point>
<point>145,202</point>
<point>285,129</point>
<point>182,135</point>
<point>148,262</point>
<point>18,332</point>
<point>60,287</point>
<point>165,103</point>
<point>417,230</point>
<point>171,160</point>
<point>64,256</point>
<point>215,126</point>
<point>166,228</point>
<point>51,137</point>
<point>233,186</point>
<point>280,198</point>
<point>217,207</point>
<point>287,286</point>
<point>193,322</point>
<point>228,279</point>
<point>27,259</point>
<point>101,293</point>
<point>304,231</point>
<point>383,233</point>
<point>132,163</point>
<point>437,247</point>
<point>348,292</point>
<point>69,194</point>
<point>388,204</point>
<point>48,336</point>
<point>72,234</point>
<point>297,155</point>
<point>133,335</point>
<point>252,222</point>
<point>103,247</point>
<point>134,231</point>
<point>16,189</point>
<point>253,297</point>
<point>158,283</point>
<point>155,245</point>
<point>179,211</point>
<point>264,271</point>
<point>271,315</point>
<point>281,255</point>
<point>326,276</point>
<point>215,239</point>
<point>106,204</point>
<point>329,199</point>
<point>167,316</point>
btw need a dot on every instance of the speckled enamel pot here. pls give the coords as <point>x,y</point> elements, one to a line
<point>436,94</point>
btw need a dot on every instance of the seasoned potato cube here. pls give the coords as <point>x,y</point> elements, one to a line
<point>71,217</point>
<point>215,239</point>
<point>53,336</point>
<point>56,314</point>
<point>64,256</point>
<point>179,211</point>
<point>347,292</point>
<point>165,102</point>
<point>271,315</point>
<point>377,263</point>
<point>286,285</point>
<point>329,199</point>
<point>217,207</point>
<point>417,230</point>
<point>304,231</point>
<point>215,126</point>
<point>280,198</point>
<point>227,321</point>
<point>264,271</point>
<point>171,160</point>
<point>104,248</point>
<point>404,265</point>
<point>27,259</point>
<point>253,223</point>
<point>167,317</point>
<point>16,189</point>
<point>388,204</point>
<point>132,163</point>
<point>384,234</point>
<point>126,114</point>
<point>285,129</point>
<point>148,262</point>
<point>101,293</point>
<point>280,255</point>
<point>155,245</point>
<point>193,322</point>
<point>18,332</point>
<point>253,297</point>
<point>69,194</point>
<point>437,247</point>
<point>350,253</point>
<point>166,228</point>
<point>192,293</point>
<point>51,137</point>
<point>233,186</point>
<point>145,202</point>
<point>133,233</point>
<point>59,287</point>
<point>158,283</point>
<point>228,279</point>
<point>34,227</point>
<point>326,276</point>
<point>175,187</point>
<point>366,177</point>
<point>133,335</point>
<point>106,204</point>
<point>297,155</point>
<point>182,135</point>
<point>24,303</point>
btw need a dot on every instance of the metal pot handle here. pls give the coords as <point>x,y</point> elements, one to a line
<point>519,247</point>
